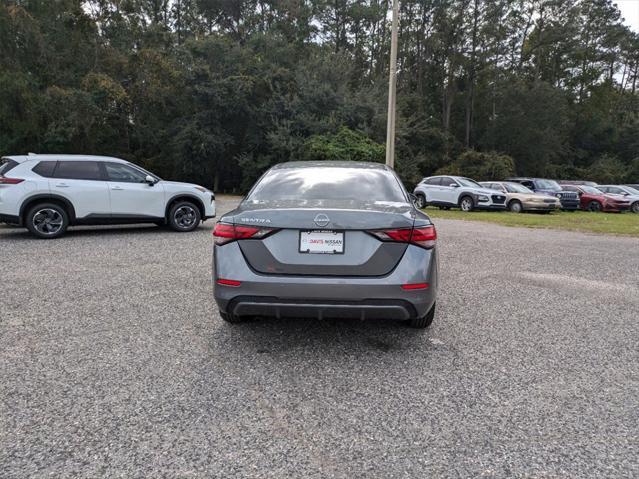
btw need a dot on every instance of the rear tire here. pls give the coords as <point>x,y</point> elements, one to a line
<point>421,201</point>
<point>230,318</point>
<point>466,204</point>
<point>635,207</point>
<point>184,216</point>
<point>515,206</point>
<point>47,220</point>
<point>424,321</point>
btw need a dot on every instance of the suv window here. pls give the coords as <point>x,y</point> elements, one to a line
<point>6,164</point>
<point>447,181</point>
<point>45,168</point>
<point>124,173</point>
<point>436,181</point>
<point>528,184</point>
<point>78,170</point>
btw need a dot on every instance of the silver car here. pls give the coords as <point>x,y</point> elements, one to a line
<point>326,239</point>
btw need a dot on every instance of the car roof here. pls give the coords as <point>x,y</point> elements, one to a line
<point>331,164</point>
<point>62,157</point>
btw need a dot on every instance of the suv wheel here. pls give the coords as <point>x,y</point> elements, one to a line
<point>230,318</point>
<point>466,204</point>
<point>594,206</point>
<point>421,201</point>
<point>635,207</point>
<point>515,206</point>
<point>47,220</point>
<point>424,321</point>
<point>184,216</point>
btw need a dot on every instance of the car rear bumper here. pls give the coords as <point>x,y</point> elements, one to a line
<point>280,308</point>
<point>324,296</point>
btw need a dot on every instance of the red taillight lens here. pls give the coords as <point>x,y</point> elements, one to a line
<point>229,282</point>
<point>10,181</point>
<point>413,286</point>
<point>425,236</point>
<point>224,233</point>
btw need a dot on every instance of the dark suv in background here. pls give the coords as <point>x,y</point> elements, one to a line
<point>569,199</point>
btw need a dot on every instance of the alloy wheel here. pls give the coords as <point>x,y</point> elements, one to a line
<point>466,204</point>
<point>185,216</point>
<point>47,221</point>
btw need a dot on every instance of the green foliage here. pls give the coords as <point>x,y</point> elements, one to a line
<point>216,91</point>
<point>346,145</point>
<point>608,169</point>
<point>480,166</point>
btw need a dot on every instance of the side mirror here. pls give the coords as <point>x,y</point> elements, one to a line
<point>454,185</point>
<point>150,180</point>
<point>580,193</point>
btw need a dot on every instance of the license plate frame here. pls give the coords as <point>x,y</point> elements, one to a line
<point>324,234</point>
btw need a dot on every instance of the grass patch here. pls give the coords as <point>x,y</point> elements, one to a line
<point>625,224</point>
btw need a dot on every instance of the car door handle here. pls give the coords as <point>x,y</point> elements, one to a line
<point>61,185</point>
<point>117,188</point>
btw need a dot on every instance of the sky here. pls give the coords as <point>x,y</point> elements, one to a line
<point>630,11</point>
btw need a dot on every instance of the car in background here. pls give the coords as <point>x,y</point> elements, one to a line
<point>569,199</point>
<point>577,182</point>
<point>48,193</point>
<point>457,192</point>
<point>519,198</point>
<point>593,199</point>
<point>631,194</point>
<point>326,239</point>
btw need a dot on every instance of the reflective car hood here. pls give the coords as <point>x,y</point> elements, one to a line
<point>176,185</point>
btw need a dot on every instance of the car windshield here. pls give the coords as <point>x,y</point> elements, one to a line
<point>631,190</point>
<point>551,185</point>
<point>591,190</point>
<point>516,188</point>
<point>468,182</point>
<point>328,183</point>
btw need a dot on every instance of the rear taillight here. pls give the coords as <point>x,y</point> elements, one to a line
<point>424,236</point>
<point>10,181</point>
<point>225,233</point>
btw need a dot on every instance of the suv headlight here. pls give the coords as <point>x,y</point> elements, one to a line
<point>482,198</point>
<point>558,195</point>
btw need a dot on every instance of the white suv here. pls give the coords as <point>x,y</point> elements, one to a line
<point>458,192</point>
<point>47,193</point>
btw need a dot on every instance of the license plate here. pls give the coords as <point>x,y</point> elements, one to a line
<point>322,242</point>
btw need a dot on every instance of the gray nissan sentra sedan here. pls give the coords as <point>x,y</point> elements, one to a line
<point>326,239</point>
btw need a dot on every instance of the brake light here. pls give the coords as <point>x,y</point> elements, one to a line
<point>424,236</point>
<point>413,286</point>
<point>225,233</point>
<point>10,181</point>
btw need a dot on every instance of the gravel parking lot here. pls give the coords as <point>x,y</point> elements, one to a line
<point>114,362</point>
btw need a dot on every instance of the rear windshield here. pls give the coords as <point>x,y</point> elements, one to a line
<point>328,183</point>
<point>6,164</point>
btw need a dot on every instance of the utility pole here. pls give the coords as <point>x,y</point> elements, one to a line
<point>392,89</point>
